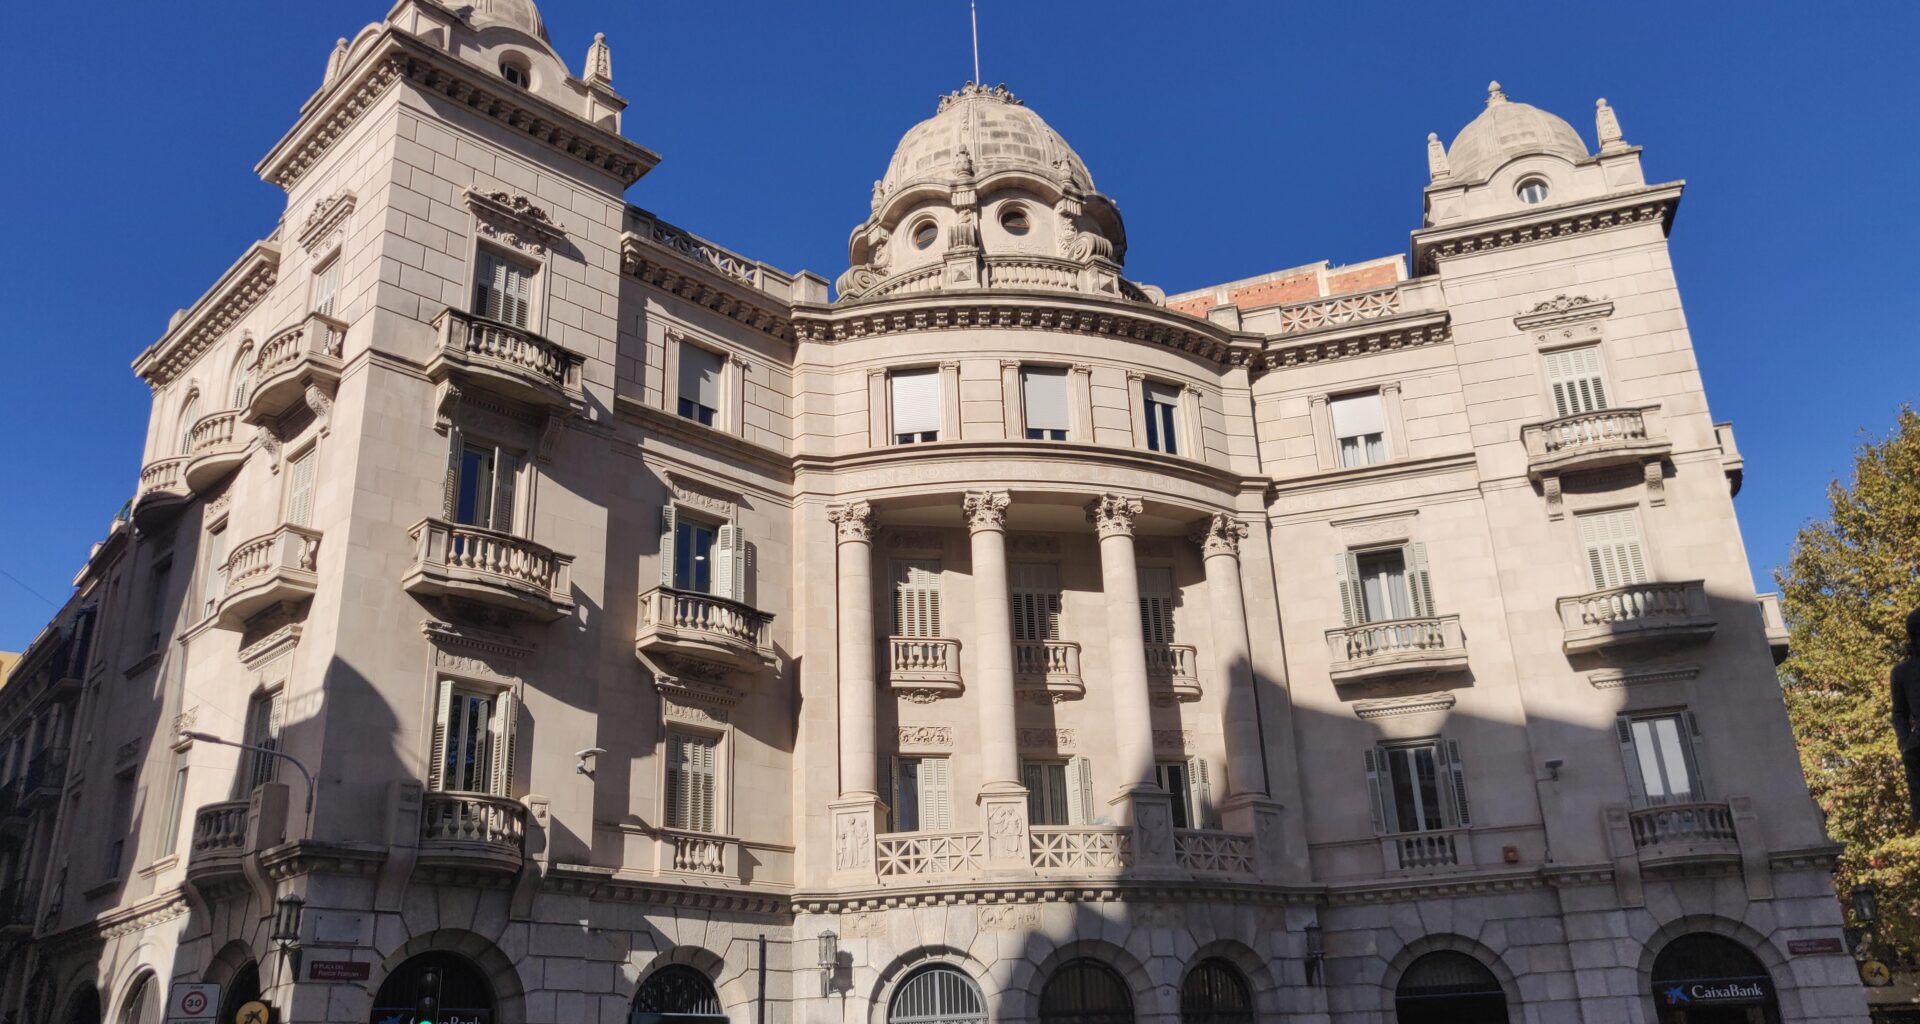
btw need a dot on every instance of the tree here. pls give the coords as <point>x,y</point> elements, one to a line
<point>1847,588</point>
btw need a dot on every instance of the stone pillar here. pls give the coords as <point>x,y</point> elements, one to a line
<point>856,814</point>
<point>1140,802</point>
<point>1247,808</point>
<point>1003,800</point>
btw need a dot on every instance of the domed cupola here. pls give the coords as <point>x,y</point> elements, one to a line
<point>985,194</point>
<point>520,14</point>
<point>1506,130</point>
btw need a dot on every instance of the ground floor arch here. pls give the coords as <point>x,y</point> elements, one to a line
<point>1449,987</point>
<point>676,994</point>
<point>1704,978</point>
<point>436,986</point>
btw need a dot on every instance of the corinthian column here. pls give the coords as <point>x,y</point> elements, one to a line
<point>1247,807</point>
<point>1139,801</point>
<point>856,812</point>
<point>1003,800</point>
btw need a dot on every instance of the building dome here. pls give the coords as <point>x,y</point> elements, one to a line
<point>520,14</point>
<point>998,133</point>
<point>1506,130</point>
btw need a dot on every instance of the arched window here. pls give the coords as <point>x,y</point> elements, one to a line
<point>460,994</point>
<point>189,413</point>
<point>241,989</point>
<point>1448,987</point>
<point>1085,992</point>
<point>1215,993</point>
<point>937,995</point>
<point>676,993</point>
<point>142,1005</point>
<point>1704,976</point>
<point>242,378</point>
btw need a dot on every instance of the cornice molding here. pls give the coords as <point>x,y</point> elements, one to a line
<point>513,219</point>
<point>1641,206</point>
<point>604,884</point>
<point>1056,312</point>
<point>1563,309</point>
<point>235,295</point>
<point>1390,707</point>
<point>1617,678</point>
<point>328,215</point>
<point>699,282</point>
<point>1415,331</point>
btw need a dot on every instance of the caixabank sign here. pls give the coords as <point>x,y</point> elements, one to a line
<point>1715,991</point>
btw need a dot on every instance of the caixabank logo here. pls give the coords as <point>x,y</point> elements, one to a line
<point>1714,992</point>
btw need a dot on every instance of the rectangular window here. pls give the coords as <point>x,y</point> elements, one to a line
<point>922,800</point>
<point>503,290</point>
<point>702,557</point>
<point>1417,787</point>
<point>916,598</point>
<point>692,776</point>
<point>326,287</point>
<point>213,559</point>
<point>1173,777</point>
<point>176,803</point>
<point>300,478</point>
<point>1359,429</point>
<point>916,405</point>
<point>699,384</point>
<point>467,761</point>
<point>1043,397</point>
<point>1385,584</point>
<point>484,493</point>
<point>1036,600</point>
<point>1660,759</point>
<point>1574,376</point>
<point>264,717</point>
<point>1047,797</point>
<point>1612,541</point>
<point>157,626</point>
<point>122,824</point>
<point>1163,411</point>
<point>693,555</point>
<point>1156,603</point>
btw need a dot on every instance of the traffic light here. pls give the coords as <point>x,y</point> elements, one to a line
<point>426,1003</point>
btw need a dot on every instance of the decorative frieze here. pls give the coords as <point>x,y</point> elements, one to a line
<point>1394,706</point>
<point>937,737</point>
<point>1394,337</point>
<point>1033,544</point>
<point>1048,739</point>
<point>703,495</point>
<point>474,652</point>
<point>1562,309</point>
<point>1617,678</point>
<point>914,540</point>
<point>937,313</point>
<point>513,219</point>
<point>233,297</point>
<point>1577,222</point>
<point>1173,740</point>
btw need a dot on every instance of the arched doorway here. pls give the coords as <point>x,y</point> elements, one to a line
<point>241,989</point>
<point>1704,978</point>
<point>142,1003</point>
<point>937,995</point>
<point>1085,991</point>
<point>676,994</point>
<point>440,987</point>
<point>83,1007</point>
<point>1449,987</point>
<point>1215,993</point>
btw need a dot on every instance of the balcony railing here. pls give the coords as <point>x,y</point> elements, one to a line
<point>1171,674</point>
<point>1032,272</point>
<point>1048,668</point>
<point>472,828</point>
<point>704,626</point>
<point>46,773</point>
<point>505,358</point>
<point>163,491</point>
<point>308,353</point>
<point>1206,850</point>
<point>219,840</point>
<point>1080,847</point>
<point>1676,832</point>
<point>1592,440</point>
<point>1639,613</point>
<point>923,668</point>
<point>697,853</point>
<point>266,571</point>
<point>1774,620</point>
<point>906,854</point>
<point>1435,850</point>
<point>1396,647</point>
<point>489,567</point>
<point>214,446</point>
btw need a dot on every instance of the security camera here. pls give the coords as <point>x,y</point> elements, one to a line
<point>1554,764</point>
<point>593,752</point>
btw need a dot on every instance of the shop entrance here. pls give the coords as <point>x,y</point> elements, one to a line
<point>1711,979</point>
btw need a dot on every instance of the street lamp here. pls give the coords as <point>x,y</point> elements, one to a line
<point>1316,953</point>
<point>286,921</point>
<point>829,959</point>
<point>1866,904</point>
<point>207,737</point>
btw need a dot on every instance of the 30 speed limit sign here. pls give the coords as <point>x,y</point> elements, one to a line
<point>191,1003</point>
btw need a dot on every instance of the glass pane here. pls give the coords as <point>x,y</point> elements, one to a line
<point>1673,758</point>
<point>473,504</point>
<point>693,557</point>
<point>1428,777</point>
<point>906,795</point>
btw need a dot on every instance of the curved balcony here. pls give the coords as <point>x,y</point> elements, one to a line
<point>1048,670</point>
<point>219,841</point>
<point>489,567</point>
<point>45,776</point>
<point>162,494</point>
<point>705,627</point>
<point>1684,833</point>
<point>1592,440</point>
<point>308,353</point>
<point>504,359</point>
<point>262,573</point>
<point>923,669</point>
<point>1171,675</point>
<point>1641,613</point>
<point>472,830</point>
<point>1397,647</point>
<point>215,445</point>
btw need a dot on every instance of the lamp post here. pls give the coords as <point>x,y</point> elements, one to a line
<point>207,737</point>
<point>286,928</point>
<point>829,960</point>
<point>1316,954</point>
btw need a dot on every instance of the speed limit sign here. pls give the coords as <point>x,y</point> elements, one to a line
<point>192,1003</point>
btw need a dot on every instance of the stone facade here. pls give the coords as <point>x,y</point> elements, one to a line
<point>637,609</point>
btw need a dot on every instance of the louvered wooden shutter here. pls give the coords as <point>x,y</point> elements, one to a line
<point>1079,791</point>
<point>1457,778</point>
<point>326,285</point>
<point>1200,785</point>
<point>1156,604</point>
<point>506,477</point>
<point>936,801</point>
<point>1696,755</point>
<point>1419,580</point>
<point>1353,598</point>
<point>705,789</point>
<point>1614,557</point>
<point>450,492</point>
<point>1574,376</point>
<point>300,472</point>
<point>437,762</point>
<point>506,709</point>
<point>916,599</point>
<point>1376,797</point>
<point>729,564</point>
<point>667,523</point>
<point>188,416</point>
<point>1630,760</point>
<point>1036,601</point>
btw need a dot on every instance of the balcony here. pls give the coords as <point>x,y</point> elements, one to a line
<point>679,852</point>
<point>162,494</point>
<point>910,854</point>
<point>1171,675</point>
<point>219,841</point>
<point>215,445</point>
<point>1048,670</point>
<point>1210,852</point>
<point>1684,833</point>
<point>1079,848</point>
<point>262,573</point>
<point>1043,272</point>
<point>1435,850</point>
<point>1397,647</point>
<point>46,774</point>
<point>472,830</point>
<point>308,353</point>
<point>923,669</point>
<point>705,627</point>
<point>1731,462</point>
<point>1638,614</point>
<point>1774,620</point>
<point>1592,440</point>
<point>491,568</point>
<point>506,360</point>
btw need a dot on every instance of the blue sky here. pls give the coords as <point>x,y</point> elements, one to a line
<point>1237,137</point>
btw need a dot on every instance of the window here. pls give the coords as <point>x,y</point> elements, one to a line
<point>1085,991</point>
<point>1190,784</point>
<point>916,405</point>
<point>176,802</point>
<point>472,740</point>
<point>264,718</point>
<point>1417,787</point>
<point>922,801</point>
<point>1156,603</point>
<point>1658,753</point>
<point>503,289</point>
<point>1058,792</point>
<point>1215,992</point>
<point>1574,376</point>
<point>1384,585</point>
<point>157,603</point>
<point>1036,600</point>
<point>514,73</point>
<point>212,561</point>
<point>1532,190</point>
<point>1014,219</point>
<point>691,785</point>
<point>676,993</point>
<point>1163,410</point>
<point>122,824</point>
<point>699,384</point>
<point>924,234</point>
<point>1612,541</point>
<point>1043,397</point>
<point>916,598</point>
<point>300,471</point>
<point>326,287</point>
<point>702,557</point>
<point>243,377</point>
<point>1359,429</point>
<point>189,414</point>
<point>486,479</point>
<point>937,994</point>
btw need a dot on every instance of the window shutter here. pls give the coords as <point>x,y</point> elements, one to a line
<point>1457,774</point>
<point>1376,799</point>
<point>916,401</point>
<point>667,524</point>
<point>437,761</point>
<point>300,488</point>
<point>676,816</point>
<point>1357,415</point>
<point>1156,604</point>
<point>703,791</point>
<point>1036,601</point>
<point>916,604</point>
<point>936,803</point>
<point>1419,580</point>
<point>450,491</point>
<point>188,416</point>
<point>506,477</point>
<point>729,564</point>
<point>1043,393</point>
<point>1200,785</point>
<point>1614,556</point>
<point>1079,791</point>
<point>1575,378</point>
<point>890,771</point>
<point>1696,761</point>
<point>1353,600</point>
<point>506,709</point>
<point>1036,792</point>
<point>326,284</point>
<point>1630,760</point>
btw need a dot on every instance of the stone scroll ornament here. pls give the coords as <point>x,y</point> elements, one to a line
<point>1906,712</point>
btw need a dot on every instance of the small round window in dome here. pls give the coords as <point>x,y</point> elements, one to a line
<point>1532,190</point>
<point>924,234</point>
<point>1015,220</point>
<point>515,73</point>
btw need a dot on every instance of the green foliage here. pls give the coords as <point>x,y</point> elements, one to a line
<point>1847,588</point>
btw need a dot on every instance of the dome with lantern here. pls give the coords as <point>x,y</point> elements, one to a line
<point>1505,130</point>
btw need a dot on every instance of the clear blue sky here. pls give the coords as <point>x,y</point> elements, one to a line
<point>1237,137</point>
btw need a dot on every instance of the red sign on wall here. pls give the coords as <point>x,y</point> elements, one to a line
<point>338,970</point>
<point>1804,947</point>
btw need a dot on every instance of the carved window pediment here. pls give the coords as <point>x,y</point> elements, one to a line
<point>515,220</point>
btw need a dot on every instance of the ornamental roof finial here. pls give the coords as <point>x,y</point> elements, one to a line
<point>599,67</point>
<point>1437,169</point>
<point>1606,124</point>
<point>1494,95</point>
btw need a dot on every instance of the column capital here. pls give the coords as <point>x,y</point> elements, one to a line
<point>855,520</point>
<point>1218,534</point>
<point>1112,514</point>
<point>986,510</point>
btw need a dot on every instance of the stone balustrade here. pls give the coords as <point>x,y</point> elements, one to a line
<point>457,825</point>
<point>1213,852</point>
<point>913,282</point>
<point>1432,850</point>
<point>304,355</point>
<point>1380,650</point>
<point>489,567</point>
<point>907,854</point>
<point>1042,272</point>
<point>1049,668</point>
<point>923,666</point>
<point>1634,614</point>
<point>162,491</point>
<point>265,571</point>
<point>704,626</point>
<point>505,358</point>
<point>215,445</point>
<point>1172,673</point>
<point>1592,440</point>
<point>697,853</point>
<point>1340,310</point>
<point>220,828</point>
<point>1676,831</point>
<point>1080,847</point>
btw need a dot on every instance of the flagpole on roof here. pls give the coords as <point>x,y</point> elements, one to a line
<point>973,10</point>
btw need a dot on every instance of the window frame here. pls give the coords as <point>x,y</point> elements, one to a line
<point>1591,553</point>
<point>1601,377</point>
<point>304,460</point>
<point>504,712</point>
<point>323,286</point>
<point>713,741</point>
<point>716,415</point>
<point>509,495</point>
<point>1048,371</point>
<point>935,786</point>
<point>938,404</point>
<point>1365,448</point>
<point>930,616</point>
<point>1162,433</point>
<point>482,252</point>
<point>1449,781</point>
<point>1686,729</point>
